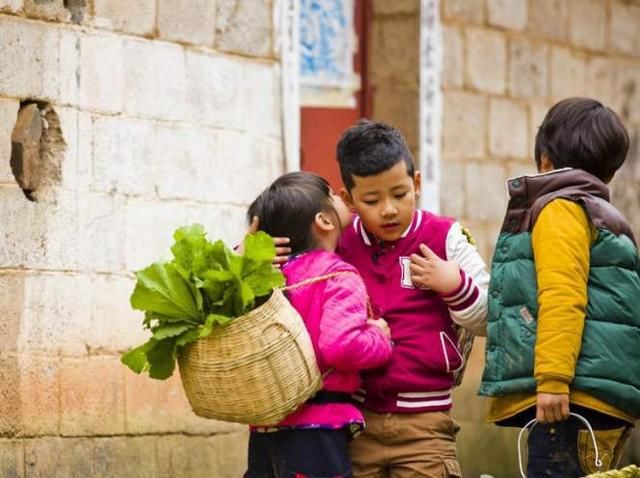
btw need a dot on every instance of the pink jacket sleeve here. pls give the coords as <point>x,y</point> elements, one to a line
<point>346,341</point>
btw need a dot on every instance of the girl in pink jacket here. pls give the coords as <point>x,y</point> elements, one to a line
<point>312,441</point>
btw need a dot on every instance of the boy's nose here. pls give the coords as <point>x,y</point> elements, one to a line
<point>389,210</point>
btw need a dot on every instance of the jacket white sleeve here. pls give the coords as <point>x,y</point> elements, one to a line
<point>468,303</point>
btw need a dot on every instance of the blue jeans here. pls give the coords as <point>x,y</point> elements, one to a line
<point>553,450</point>
<point>299,454</point>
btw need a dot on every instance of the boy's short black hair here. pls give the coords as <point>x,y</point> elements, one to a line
<point>582,133</point>
<point>369,148</point>
<point>288,207</point>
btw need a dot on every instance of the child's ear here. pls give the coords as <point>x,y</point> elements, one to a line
<point>323,223</point>
<point>417,182</point>
<point>346,198</point>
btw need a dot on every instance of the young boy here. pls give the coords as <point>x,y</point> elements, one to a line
<point>423,274</point>
<point>564,320</point>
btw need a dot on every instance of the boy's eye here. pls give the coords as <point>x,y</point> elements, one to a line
<point>370,202</point>
<point>400,195</point>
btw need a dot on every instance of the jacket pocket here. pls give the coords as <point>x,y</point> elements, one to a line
<point>453,359</point>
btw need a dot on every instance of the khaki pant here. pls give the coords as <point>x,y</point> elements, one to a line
<point>406,445</point>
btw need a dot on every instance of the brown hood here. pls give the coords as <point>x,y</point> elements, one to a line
<point>530,194</point>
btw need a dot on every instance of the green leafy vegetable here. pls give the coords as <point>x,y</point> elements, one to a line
<point>206,285</point>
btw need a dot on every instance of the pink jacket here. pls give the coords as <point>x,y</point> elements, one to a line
<point>335,313</point>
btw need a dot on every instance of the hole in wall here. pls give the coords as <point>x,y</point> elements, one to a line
<point>37,149</point>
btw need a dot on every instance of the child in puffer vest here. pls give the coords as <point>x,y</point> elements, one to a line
<point>332,300</point>
<point>564,300</point>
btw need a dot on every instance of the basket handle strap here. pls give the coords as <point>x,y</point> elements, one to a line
<point>314,280</point>
<point>532,423</point>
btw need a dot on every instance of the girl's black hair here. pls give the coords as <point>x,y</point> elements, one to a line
<point>289,206</point>
<point>582,133</point>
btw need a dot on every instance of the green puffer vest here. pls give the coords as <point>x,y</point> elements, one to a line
<point>608,366</point>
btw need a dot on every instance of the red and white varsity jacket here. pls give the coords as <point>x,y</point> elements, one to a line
<point>419,376</point>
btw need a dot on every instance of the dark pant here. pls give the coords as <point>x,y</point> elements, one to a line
<point>299,454</point>
<point>553,450</point>
<point>565,449</point>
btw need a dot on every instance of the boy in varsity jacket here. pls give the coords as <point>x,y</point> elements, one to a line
<point>564,327</point>
<point>423,274</point>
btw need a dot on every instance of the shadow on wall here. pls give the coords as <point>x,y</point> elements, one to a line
<point>489,450</point>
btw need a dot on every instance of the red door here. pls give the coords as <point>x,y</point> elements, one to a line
<point>321,127</point>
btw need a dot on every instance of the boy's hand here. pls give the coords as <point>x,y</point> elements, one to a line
<point>552,407</point>
<point>431,272</point>
<point>282,250</point>
<point>381,324</point>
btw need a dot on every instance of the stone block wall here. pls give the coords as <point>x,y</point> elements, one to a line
<point>150,115</point>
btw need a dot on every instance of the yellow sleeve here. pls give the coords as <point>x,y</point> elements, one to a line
<point>561,241</point>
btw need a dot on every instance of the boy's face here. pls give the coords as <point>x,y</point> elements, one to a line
<point>385,202</point>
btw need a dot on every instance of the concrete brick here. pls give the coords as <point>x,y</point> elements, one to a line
<point>262,102</point>
<point>537,111</point>
<point>215,90</point>
<point>32,51</point>
<point>464,125</point>
<point>238,153</point>
<point>68,76</point>
<point>187,21</point>
<point>124,156</point>
<point>222,456</point>
<point>8,117</point>
<point>588,23</point>
<point>124,457</point>
<point>568,73</point>
<point>55,312</point>
<point>51,456</point>
<point>245,27</point>
<point>453,189</point>
<point>11,459</point>
<point>154,406</point>
<point>548,18</point>
<point>398,107</point>
<point>150,226</point>
<point>48,10</point>
<point>395,41</point>
<point>101,218</point>
<point>39,391</point>
<point>453,58</point>
<point>467,10</point>
<point>115,326</point>
<point>623,28</point>
<point>10,419</point>
<point>510,14</point>
<point>102,73</point>
<point>509,127</point>
<point>155,80</point>
<point>528,72</point>
<point>132,17</point>
<point>92,398</point>
<point>38,234</point>
<point>627,90</point>
<point>486,60</point>
<point>226,223</point>
<point>12,286</point>
<point>398,7</point>
<point>486,181</point>
<point>602,80</point>
<point>11,5</point>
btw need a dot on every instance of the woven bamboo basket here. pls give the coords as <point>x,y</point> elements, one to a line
<point>257,369</point>
<point>631,471</point>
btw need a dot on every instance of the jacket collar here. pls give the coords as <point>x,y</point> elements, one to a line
<point>370,239</point>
